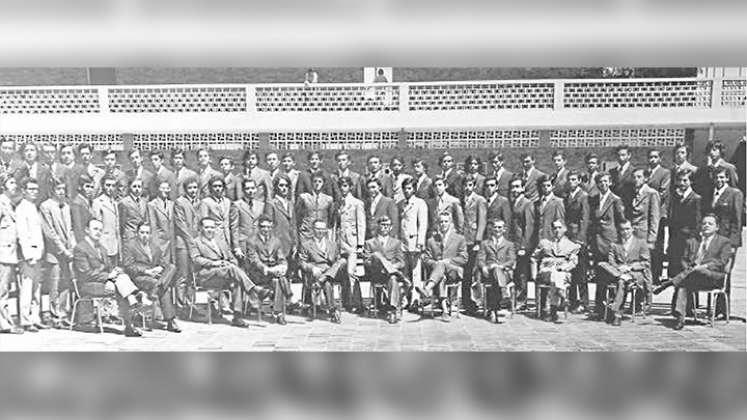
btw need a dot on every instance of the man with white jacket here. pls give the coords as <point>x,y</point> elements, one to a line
<point>31,247</point>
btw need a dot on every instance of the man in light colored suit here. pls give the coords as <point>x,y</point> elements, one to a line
<point>244,218</point>
<point>133,210</point>
<point>105,208</point>
<point>643,212</point>
<point>59,242</point>
<point>379,205</point>
<point>322,261</point>
<point>215,267</point>
<point>181,171</point>
<point>413,218</point>
<point>501,175</point>
<point>475,221</point>
<point>206,172</point>
<point>8,250</point>
<point>234,183</point>
<point>161,173</point>
<point>186,228</point>
<point>496,260</point>
<point>424,184</point>
<point>217,207</point>
<point>31,247</point>
<point>138,171</point>
<point>530,175</point>
<point>384,262</point>
<point>555,259</point>
<point>161,221</point>
<point>314,205</point>
<point>629,262</point>
<point>352,236</point>
<point>445,257</point>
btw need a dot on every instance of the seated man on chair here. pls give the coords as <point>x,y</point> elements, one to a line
<point>384,262</point>
<point>215,267</point>
<point>706,261</point>
<point>496,260</point>
<point>151,272</point>
<point>556,258</point>
<point>445,257</point>
<point>629,262</point>
<point>321,260</point>
<point>267,265</point>
<point>98,278</point>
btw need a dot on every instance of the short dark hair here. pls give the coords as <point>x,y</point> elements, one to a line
<point>25,182</point>
<point>280,177</point>
<point>422,162</point>
<point>190,180</point>
<point>712,215</point>
<point>681,145</point>
<point>84,146</point>
<point>83,180</point>
<point>409,182</point>
<point>590,156</point>
<point>622,147</point>
<point>558,153</point>
<point>715,144</point>
<point>377,181</point>
<point>263,218</point>
<point>158,153</point>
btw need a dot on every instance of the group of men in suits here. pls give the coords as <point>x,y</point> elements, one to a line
<point>255,231</point>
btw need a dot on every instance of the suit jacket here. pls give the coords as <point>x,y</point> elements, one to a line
<point>220,211</point>
<point>716,256</point>
<point>446,204</point>
<point>352,223</point>
<point>384,207</point>
<point>262,255</point>
<point>661,181</point>
<point>728,208</point>
<point>452,248</point>
<point>136,260</point>
<point>590,186</point>
<point>499,208</point>
<point>531,189</point>
<point>503,253</point>
<point>293,175</point>
<point>147,177</point>
<point>131,214</point>
<point>90,264</point>
<point>356,188</point>
<point>311,256</point>
<point>560,185</point>
<point>186,222</point>
<point>637,257</point>
<point>234,189</point>
<point>413,222</point>
<point>311,207</point>
<point>105,209</point>
<point>80,213</point>
<point>577,216</point>
<point>284,225</point>
<point>387,184</point>
<point>205,175</point>
<point>454,183</point>
<point>304,184</point>
<point>623,184</point>
<point>397,181</point>
<point>644,215</point>
<point>262,179</point>
<point>475,218</point>
<point>391,252</point>
<point>165,174</point>
<point>684,219</point>
<point>424,188</point>
<point>503,182</point>
<point>182,175</point>
<point>8,232</point>
<point>243,218</point>
<point>521,227</point>
<point>546,211</point>
<point>30,236</point>
<point>43,175</point>
<point>604,223</point>
<point>204,254</point>
<point>479,183</point>
<point>161,219</point>
<point>556,256</point>
<point>57,228</point>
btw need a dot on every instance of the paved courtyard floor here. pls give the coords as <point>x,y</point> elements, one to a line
<point>521,333</point>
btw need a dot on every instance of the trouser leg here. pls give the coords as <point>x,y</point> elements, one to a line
<point>521,274</point>
<point>7,272</point>
<point>52,280</point>
<point>393,290</point>
<point>467,301</point>
<point>183,275</point>
<point>620,293</point>
<point>579,290</point>
<point>278,301</point>
<point>30,294</point>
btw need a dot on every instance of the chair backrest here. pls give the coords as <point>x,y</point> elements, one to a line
<point>729,268</point>
<point>75,287</point>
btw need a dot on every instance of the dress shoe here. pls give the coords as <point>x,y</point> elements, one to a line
<point>41,326</point>
<point>334,316</point>
<point>30,328</point>
<point>132,332</point>
<point>493,317</point>
<point>580,309</point>
<point>238,322</point>
<point>12,330</point>
<point>172,326</point>
<point>280,319</point>
<point>680,324</point>
<point>662,287</point>
<point>617,321</point>
<point>392,317</point>
<point>522,307</point>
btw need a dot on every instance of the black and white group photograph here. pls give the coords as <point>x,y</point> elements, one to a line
<point>372,209</point>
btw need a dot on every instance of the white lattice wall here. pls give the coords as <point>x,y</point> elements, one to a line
<point>178,99</point>
<point>467,139</point>
<point>97,141</point>
<point>733,93</point>
<point>475,96</point>
<point>351,140</point>
<point>633,94</point>
<point>327,98</point>
<point>634,137</point>
<point>49,101</point>
<point>194,141</point>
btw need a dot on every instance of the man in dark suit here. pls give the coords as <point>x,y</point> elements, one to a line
<point>138,171</point>
<point>215,267</point>
<point>521,230</point>
<point>375,170</point>
<point>262,177</point>
<point>577,216</point>
<point>629,262</point>
<point>186,222</point>
<point>161,220</point>
<point>161,174</point>
<point>151,272</point>
<point>384,262</point>
<point>133,210</point>
<point>560,177</point>
<point>423,183</point>
<point>343,170</point>
<point>314,205</point>
<point>81,210</point>
<point>684,223</point>
<point>97,277</point>
<point>451,176</point>
<point>266,264</point>
<point>623,184</point>
<point>280,211</point>
<point>305,183</point>
<point>643,212</point>
<point>501,175</point>
<point>530,175</point>
<point>727,204</point>
<point>589,179</point>
<point>715,162</point>
<point>496,260</point>
<point>234,183</point>
<point>377,206</point>
<point>445,257</point>
<point>498,205</point>
<point>321,259</point>
<point>660,180</point>
<point>706,259</point>
<point>475,221</point>
<point>547,209</point>
<point>443,202</point>
<point>244,218</point>
<point>33,168</point>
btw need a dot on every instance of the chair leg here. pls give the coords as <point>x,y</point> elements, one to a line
<point>727,305</point>
<point>565,303</point>
<point>98,318</point>
<point>633,296</point>
<point>513,301</point>
<point>210,311</point>
<point>607,298</point>
<point>483,299</point>
<point>72,315</point>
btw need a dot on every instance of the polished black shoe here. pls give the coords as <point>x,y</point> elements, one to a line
<point>238,322</point>
<point>661,287</point>
<point>680,324</point>
<point>280,319</point>
<point>617,321</point>
<point>132,332</point>
<point>172,326</point>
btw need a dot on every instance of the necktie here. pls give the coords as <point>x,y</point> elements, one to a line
<point>701,251</point>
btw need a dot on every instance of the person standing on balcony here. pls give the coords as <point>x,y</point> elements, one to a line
<point>181,171</point>
<point>233,182</point>
<point>262,178</point>
<point>310,78</point>
<point>451,176</point>
<point>375,170</point>
<point>305,182</point>
<point>531,176</point>
<point>623,184</point>
<point>162,173</point>
<point>502,175</point>
<point>138,171</point>
<point>206,171</point>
